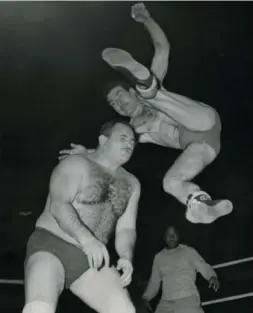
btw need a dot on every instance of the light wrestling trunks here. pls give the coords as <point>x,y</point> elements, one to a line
<point>210,137</point>
<point>73,259</point>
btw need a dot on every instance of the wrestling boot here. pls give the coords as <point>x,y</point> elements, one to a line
<point>137,73</point>
<point>202,209</point>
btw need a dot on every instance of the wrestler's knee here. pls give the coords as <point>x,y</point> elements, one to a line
<point>38,307</point>
<point>171,183</point>
<point>208,119</point>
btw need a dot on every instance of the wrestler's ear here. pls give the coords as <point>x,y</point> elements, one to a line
<point>102,140</point>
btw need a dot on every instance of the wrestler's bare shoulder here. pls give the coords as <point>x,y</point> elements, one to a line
<point>76,169</point>
<point>78,159</point>
<point>78,162</point>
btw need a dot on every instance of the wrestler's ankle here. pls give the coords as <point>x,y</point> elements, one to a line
<point>198,195</point>
<point>148,91</point>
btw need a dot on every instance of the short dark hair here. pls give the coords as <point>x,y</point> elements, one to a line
<point>115,83</point>
<point>171,226</point>
<point>107,128</point>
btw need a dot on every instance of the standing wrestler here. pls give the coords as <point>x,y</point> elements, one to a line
<point>90,196</point>
<point>171,120</point>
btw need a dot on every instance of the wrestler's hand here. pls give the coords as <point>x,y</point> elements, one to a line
<point>214,283</point>
<point>139,13</point>
<point>96,252</point>
<point>127,269</point>
<point>75,149</point>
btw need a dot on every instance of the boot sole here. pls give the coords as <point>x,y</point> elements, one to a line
<point>125,63</point>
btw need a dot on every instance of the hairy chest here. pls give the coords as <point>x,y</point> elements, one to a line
<point>105,191</point>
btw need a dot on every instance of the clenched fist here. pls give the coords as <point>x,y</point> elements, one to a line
<point>139,13</point>
<point>127,268</point>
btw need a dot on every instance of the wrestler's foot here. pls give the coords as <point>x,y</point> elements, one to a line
<point>202,209</point>
<point>124,62</point>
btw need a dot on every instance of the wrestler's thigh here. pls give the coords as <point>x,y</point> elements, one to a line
<point>102,291</point>
<point>44,278</point>
<point>191,161</point>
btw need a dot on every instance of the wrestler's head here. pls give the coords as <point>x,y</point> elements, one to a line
<point>118,139</point>
<point>171,237</point>
<point>121,97</point>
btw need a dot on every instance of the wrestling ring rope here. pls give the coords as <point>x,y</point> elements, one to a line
<point>220,300</point>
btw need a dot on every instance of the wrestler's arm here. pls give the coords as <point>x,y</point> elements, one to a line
<point>154,281</point>
<point>125,236</point>
<point>160,42</point>
<point>64,184</point>
<point>160,62</point>
<point>74,149</point>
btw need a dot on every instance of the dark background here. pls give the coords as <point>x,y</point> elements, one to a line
<point>52,77</point>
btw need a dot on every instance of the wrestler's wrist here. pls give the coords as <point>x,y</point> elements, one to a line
<point>126,257</point>
<point>87,239</point>
<point>214,276</point>
<point>148,21</point>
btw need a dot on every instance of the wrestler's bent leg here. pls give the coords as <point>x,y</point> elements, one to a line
<point>124,62</point>
<point>192,114</point>
<point>138,74</point>
<point>200,207</point>
<point>102,291</point>
<point>44,282</point>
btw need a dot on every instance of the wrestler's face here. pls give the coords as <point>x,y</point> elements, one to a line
<point>122,101</point>
<point>171,238</point>
<point>121,143</point>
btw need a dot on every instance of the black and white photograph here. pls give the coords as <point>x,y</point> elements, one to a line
<point>126,156</point>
